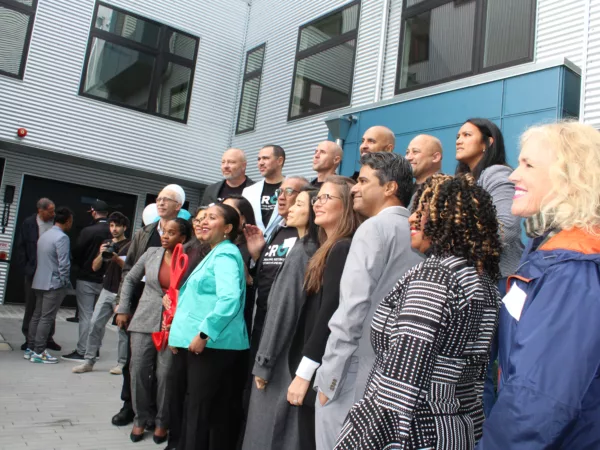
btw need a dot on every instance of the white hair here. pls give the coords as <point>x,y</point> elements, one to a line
<point>178,191</point>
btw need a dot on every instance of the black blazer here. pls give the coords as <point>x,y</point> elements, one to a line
<point>211,193</point>
<point>26,248</point>
<point>312,330</point>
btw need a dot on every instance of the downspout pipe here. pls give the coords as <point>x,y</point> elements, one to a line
<point>385,13</point>
<point>584,58</point>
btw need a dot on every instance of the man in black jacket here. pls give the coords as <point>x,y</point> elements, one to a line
<point>89,283</point>
<point>233,168</point>
<point>26,260</point>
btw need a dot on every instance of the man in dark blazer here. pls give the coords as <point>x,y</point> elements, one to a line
<point>233,167</point>
<point>26,260</point>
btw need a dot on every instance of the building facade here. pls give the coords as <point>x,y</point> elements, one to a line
<point>120,97</point>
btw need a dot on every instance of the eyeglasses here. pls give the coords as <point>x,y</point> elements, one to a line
<point>322,199</point>
<point>165,199</point>
<point>286,191</point>
<point>196,221</point>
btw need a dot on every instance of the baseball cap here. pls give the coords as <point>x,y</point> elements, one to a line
<point>99,206</point>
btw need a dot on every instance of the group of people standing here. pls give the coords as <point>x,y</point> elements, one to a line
<point>367,312</point>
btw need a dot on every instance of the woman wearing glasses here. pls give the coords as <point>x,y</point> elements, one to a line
<point>272,423</point>
<point>338,221</point>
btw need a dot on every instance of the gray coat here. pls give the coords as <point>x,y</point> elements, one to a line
<point>272,422</point>
<point>379,255</point>
<point>495,181</point>
<point>53,261</point>
<point>148,315</point>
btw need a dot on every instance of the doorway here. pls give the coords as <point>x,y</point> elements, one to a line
<point>76,197</point>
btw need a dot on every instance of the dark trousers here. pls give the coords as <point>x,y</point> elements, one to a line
<point>30,301</point>
<point>207,423</point>
<point>306,423</point>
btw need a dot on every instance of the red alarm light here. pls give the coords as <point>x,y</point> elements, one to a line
<point>3,256</point>
<point>22,132</point>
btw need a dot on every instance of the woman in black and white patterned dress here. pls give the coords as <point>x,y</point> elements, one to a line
<point>432,334</point>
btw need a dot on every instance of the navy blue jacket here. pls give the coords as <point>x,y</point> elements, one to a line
<point>549,355</point>
<point>26,248</point>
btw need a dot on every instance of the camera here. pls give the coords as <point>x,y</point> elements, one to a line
<point>108,253</point>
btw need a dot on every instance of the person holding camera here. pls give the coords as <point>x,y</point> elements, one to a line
<point>110,258</point>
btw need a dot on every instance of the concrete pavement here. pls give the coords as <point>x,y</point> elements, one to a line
<point>44,406</point>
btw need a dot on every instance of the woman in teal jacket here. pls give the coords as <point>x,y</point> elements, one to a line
<point>208,334</point>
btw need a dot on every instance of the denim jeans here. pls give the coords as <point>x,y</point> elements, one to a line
<point>87,292</point>
<point>103,312</point>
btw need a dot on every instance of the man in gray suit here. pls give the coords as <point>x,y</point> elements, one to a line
<point>379,255</point>
<point>50,282</point>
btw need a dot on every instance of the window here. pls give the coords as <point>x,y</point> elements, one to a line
<point>444,40</point>
<point>139,64</point>
<point>325,63</point>
<point>16,24</point>
<point>250,89</point>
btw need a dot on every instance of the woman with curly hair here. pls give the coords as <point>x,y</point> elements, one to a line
<point>432,334</point>
<point>549,337</point>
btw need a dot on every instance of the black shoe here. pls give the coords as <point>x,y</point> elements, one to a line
<point>53,346</point>
<point>159,439</point>
<point>24,346</point>
<point>136,437</point>
<point>73,356</point>
<point>123,417</point>
<point>170,447</point>
<point>73,319</point>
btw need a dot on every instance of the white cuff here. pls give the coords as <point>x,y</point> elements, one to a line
<point>307,368</point>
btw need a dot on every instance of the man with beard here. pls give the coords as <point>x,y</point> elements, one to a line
<point>233,168</point>
<point>261,195</point>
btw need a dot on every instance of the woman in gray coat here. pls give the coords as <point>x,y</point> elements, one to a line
<point>272,422</point>
<point>147,364</point>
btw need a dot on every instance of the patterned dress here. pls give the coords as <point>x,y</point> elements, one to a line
<point>432,336</point>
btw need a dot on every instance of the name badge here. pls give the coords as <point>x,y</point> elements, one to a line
<point>514,301</point>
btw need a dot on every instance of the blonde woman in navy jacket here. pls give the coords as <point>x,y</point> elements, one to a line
<point>208,334</point>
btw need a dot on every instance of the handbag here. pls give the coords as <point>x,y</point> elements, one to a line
<point>179,265</point>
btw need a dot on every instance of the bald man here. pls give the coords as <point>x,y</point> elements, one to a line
<point>327,158</point>
<point>233,168</point>
<point>376,139</point>
<point>424,153</point>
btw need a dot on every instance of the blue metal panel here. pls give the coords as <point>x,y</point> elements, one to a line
<point>513,104</point>
<point>532,92</point>
<point>513,127</point>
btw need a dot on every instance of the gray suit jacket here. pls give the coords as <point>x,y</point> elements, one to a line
<point>53,261</point>
<point>148,315</point>
<point>379,255</point>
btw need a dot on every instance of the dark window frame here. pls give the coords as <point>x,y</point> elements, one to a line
<point>160,53</point>
<point>477,67</point>
<point>321,47</point>
<point>248,77</point>
<point>31,11</point>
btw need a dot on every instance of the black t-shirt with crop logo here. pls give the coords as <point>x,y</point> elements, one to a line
<point>268,201</point>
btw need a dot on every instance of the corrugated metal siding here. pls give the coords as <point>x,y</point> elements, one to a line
<point>560,29</point>
<point>391,50</point>
<point>591,90</point>
<point>46,102</point>
<point>277,23</point>
<point>18,164</point>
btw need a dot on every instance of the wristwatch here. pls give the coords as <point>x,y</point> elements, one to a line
<point>203,336</point>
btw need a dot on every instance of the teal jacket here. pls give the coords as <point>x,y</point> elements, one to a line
<point>212,302</point>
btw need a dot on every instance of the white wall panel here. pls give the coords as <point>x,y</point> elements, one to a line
<point>277,23</point>
<point>560,29</point>
<point>46,102</point>
<point>19,164</point>
<point>591,88</point>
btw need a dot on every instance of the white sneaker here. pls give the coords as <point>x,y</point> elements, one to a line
<point>27,354</point>
<point>117,370</point>
<point>83,368</point>
<point>43,358</point>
